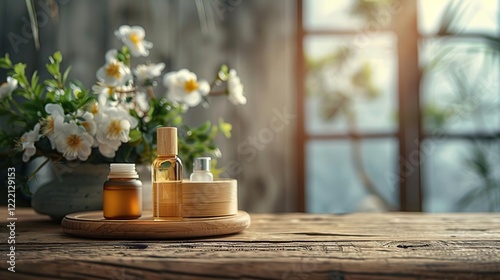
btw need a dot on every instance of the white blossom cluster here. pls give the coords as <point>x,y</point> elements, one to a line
<point>106,124</point>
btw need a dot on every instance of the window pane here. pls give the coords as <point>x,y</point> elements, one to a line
<point>351,86</point>
<point>333,181</point>
<point>327,14</point>
<point>451,175</point>
<point>460,89</point>
<point>466,16</point>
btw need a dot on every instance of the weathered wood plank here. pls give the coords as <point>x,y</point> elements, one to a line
<point>302,227</point>
<point>276,246</point>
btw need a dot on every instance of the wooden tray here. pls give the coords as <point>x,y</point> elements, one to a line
<point>92,224</point>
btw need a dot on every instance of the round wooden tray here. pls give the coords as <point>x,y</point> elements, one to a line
<point>92,224</point>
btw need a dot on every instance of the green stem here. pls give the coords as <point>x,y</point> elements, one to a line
<point>217,93</point>
<point>151,92</point>
<point>27,88</point>
<point>38,169</point>
<point>127,57</point>
<point>214,83</point>
<point>9,110</point>
<point>14,102</point>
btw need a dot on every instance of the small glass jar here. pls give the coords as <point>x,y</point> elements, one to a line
<point>122,193</point>
<point>201,170</point>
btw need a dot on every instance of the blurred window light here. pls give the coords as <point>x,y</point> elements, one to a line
<point>351,103</point>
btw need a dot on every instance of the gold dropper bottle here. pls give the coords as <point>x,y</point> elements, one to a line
<point>167,177</point>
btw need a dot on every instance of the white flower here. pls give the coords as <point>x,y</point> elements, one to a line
<point>133,38</point>
<point>145,72</point>
<point>59,92</point>
<point>183,87</point>
<point>113,128</point>
<point>94,108</point>
<point>235,89</point>
<point>74,142</point>
<point>52,122</point>
<point>114,72</point>
<point>28,142</point>
<point>105,94</point>
<point>8,87</point>
<point>140,103</point>
<point>141,98</point>
<point>108,151</point>
<point>76,89</point>
<point>89,123</point>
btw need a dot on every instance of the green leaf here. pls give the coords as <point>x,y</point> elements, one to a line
<point>225,128</point>
<point>20,68</point>
<point>31,106</point>
<point>66,73</point>
<point>57,56</point>
<point>81,94</point>
<point>212,146</point>
<point>88,100</point>
<point>202,137</point>
<point>224,68</point>
<point>135,135</point>
<point>68,94</point>
<point>51,96</point>
<point>204,127</point>
<point>53,69</point>
<point>38,89</point>
<point>215,131</point>
<point>121,57</point>
<point>125,50</point>
<point>5,62</point>
<point>479,163</point>
<point>51,84</point>
<point>133,113</point>
<point>34,79</point>
<point>177,121</point>
<point>70,106</point>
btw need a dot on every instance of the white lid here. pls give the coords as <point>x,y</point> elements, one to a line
<point>122,170</point>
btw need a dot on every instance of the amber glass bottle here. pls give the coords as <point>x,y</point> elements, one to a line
<point>167,177</point>
<point>122,193</point>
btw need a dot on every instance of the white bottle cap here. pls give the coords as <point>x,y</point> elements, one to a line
<point>122,170</point>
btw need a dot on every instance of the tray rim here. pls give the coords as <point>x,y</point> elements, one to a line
<point>138,228</point>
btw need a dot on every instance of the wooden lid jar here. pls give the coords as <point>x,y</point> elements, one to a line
<point>209,199</point>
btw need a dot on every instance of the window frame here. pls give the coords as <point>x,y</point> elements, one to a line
<point>409,132</point>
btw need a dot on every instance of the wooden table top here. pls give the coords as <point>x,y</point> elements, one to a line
<point>276,246</point>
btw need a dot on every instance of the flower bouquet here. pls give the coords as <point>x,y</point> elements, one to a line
<point>116,121</point>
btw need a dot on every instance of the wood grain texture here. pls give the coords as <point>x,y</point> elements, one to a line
<point>276,246</point>
<point>208,199</point>
<point>94,225</point>
<point>167,141</point>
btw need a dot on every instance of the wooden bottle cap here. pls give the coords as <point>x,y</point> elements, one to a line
<point>166,140</point>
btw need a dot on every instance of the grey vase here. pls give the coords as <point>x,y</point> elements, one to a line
<point>61,189</point>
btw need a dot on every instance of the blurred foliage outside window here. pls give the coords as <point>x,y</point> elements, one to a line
<point>351,94</point>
